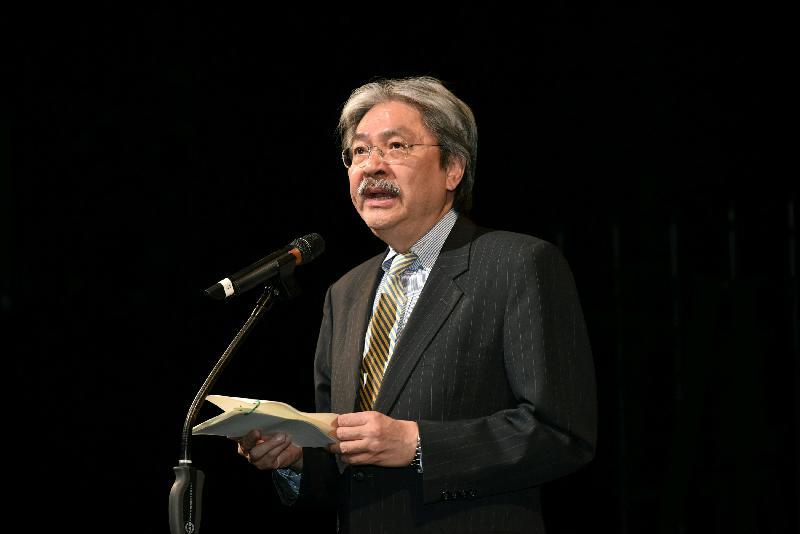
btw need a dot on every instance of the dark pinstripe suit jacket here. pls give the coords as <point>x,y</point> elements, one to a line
<point>495,366</point>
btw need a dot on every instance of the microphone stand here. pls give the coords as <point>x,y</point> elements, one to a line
<point>186,495</point>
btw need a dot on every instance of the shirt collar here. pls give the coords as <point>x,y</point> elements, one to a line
<point>428,247</point>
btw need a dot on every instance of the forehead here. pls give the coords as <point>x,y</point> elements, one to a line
<point>389,118</point>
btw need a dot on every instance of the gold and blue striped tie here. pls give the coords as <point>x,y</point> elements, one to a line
<point>391,299</point>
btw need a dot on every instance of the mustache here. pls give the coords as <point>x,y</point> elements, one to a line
<point>378,183</point>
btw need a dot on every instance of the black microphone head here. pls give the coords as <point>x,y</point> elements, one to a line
<point>310,246</point>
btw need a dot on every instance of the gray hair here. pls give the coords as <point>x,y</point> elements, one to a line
<point>443,113</point>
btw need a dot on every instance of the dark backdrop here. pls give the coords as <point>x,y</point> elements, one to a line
<point>153,151</point>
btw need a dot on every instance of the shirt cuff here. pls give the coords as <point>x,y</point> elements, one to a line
<point>288,484</point>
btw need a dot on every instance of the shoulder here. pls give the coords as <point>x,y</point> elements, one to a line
<point>466,235</point>
<point>501,251</point>
<point>511,246</point>
<point>363,275</point>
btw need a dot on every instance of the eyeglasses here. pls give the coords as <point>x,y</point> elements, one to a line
<point>396,151</point>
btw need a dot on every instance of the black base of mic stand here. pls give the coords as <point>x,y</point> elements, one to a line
<point>185,500</point>
<point>186,495</point>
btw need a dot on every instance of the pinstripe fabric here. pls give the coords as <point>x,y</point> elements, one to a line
<point>384,318</point>
<point>427,248</point>
<point>495,367</point>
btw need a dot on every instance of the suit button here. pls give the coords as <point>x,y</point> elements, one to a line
<point>445,495</point>
<point>359,476</point>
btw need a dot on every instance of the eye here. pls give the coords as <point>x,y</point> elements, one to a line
<point>360,150</point>
<point>397,145</point>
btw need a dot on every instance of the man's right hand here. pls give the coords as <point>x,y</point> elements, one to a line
<point>270,451</point>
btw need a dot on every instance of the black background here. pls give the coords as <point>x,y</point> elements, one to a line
<point>153,151</point>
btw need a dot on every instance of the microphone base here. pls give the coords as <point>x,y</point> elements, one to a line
<point>185,500</point>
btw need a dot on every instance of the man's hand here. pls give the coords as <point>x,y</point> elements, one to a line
<point>375,439</point>
<point>270,451</point>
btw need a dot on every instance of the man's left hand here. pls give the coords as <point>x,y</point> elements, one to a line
<point>375,439</point>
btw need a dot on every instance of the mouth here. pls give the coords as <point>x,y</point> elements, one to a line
<point>378,193</point>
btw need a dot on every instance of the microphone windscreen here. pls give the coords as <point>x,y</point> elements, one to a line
<point>310,246</point>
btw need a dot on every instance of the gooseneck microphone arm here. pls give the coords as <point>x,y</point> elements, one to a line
<point>264,303</point>
<point>185,497</point>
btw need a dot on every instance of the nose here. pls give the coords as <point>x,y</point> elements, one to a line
<point>374,159</point>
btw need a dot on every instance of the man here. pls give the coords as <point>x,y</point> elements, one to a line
<point>458,360</point>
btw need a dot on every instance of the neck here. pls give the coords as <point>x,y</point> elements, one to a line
<point>402,239</point>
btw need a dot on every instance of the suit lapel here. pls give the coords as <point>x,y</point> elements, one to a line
<point>437,301</point>
<point>352,332</point>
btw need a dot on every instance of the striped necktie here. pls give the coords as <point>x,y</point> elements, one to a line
<point>391,299</point>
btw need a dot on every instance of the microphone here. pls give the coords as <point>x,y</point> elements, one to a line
<point>300,251</point>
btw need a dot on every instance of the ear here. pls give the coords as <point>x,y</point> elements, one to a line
<point>455,172</point>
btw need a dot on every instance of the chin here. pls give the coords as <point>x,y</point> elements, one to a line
<point>378,220</point>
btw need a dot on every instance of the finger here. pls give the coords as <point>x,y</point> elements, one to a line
<point>250,439</point>
<point>270,460</point>
<point>273,439</point>
<point>268,450</point>
<point>278,462</point>
<point>353,419</point>
<point>352,447</point>
<point>245,451</point>
<point>288,456</point>
<point>349,433</point>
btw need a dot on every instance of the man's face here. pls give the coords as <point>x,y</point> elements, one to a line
<point>409,196</point>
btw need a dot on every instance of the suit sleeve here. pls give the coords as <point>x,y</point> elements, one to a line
<point>551,430</point>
